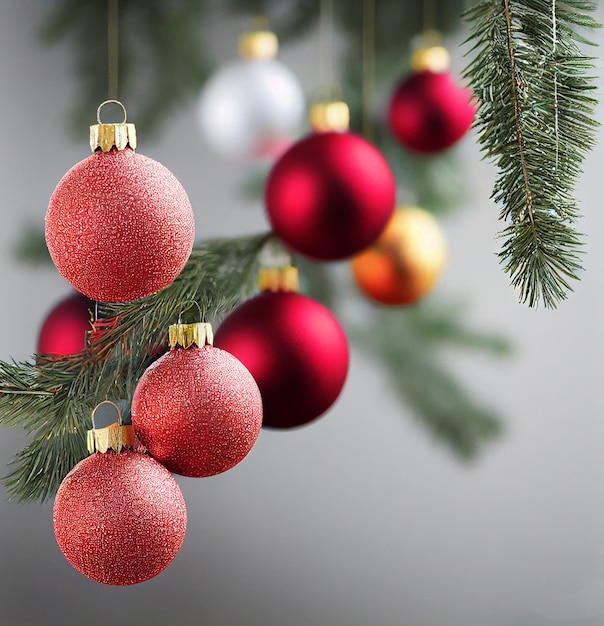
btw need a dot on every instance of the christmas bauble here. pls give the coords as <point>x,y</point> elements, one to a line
<point>330,195</point>
<point>295,349</point>
<point>404,264</point>
<point>251,109</point>
<point>429,112</point>
<point>197,410</point>
<point>64,330</point>
<point>119,226</point>
<point>119,519</point>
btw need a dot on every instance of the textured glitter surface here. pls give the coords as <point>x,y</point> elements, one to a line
<point>119,226</point>
<point>330,195</point>
<point>197,410</point>
<point>119,519</point>
<point>296,350</point>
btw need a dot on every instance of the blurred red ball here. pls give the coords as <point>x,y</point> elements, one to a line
<point>330,195</point>
<point>64,330</point>
<point>295,349</point>
<point>429,112</point>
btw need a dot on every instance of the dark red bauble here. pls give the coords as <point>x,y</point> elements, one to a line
<point>119,519</point>
<point>63,332</point>
<point>119,226</point>
<point>429,112</point>
<point>197,410</point>
<point>330,195</point>
<point>296,350</point>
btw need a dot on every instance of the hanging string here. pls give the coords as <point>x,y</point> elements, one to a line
<point>428,17</point>
<point>112,48</point>
<point>368,66</point>
<point>326,43</point>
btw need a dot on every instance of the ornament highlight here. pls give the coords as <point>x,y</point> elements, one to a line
<point>119,226</point>
<point>65,328</point>
<point>293,346</point>
<point>119,517</point>
<point>197,409</point>
<point>428,111</point>
<point>252,108</point>
<point>404,264</point>
<point>330,195</point>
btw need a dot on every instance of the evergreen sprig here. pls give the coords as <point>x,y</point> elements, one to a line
<point>52,399</point>
<point>535,121</point>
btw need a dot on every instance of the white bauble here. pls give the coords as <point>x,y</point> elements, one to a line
<point>251,109</point>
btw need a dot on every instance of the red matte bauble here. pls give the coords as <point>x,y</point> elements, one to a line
<point>197,410</point>
<point>119,519</point>
<point>64,330</point>
<point>119,226</point>
<point>330,195</point>
<point>429,112</point>
<point>296,350</point>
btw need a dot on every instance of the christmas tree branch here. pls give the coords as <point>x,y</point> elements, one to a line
<point>53,399</point>
<point>535,120</point>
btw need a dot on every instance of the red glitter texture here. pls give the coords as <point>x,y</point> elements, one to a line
<point>429,112</point>
<point>119,519</point>
<point>197,410</point>
<point>296,350</point>
<point>330,195</point>
<point>119,226</point>
<point>64,329</point>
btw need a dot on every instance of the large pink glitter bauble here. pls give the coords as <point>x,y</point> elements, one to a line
<point>197,410</point>
<point>119,519</point>
<point>119,226</point>
<point>296,350</point>
<point>330,195</point>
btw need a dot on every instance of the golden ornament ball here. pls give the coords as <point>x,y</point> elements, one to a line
<point>405,262</point>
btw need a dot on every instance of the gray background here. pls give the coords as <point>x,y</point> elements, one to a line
<point>360,519</point>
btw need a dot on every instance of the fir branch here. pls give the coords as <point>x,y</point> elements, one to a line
<point>53,399</point>
<point>535,120</point>
<point>408,344</point>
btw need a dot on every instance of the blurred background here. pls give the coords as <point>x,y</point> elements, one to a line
<point>361,518</point>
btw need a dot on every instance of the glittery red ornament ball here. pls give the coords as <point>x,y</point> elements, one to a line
<point>64,329</point>
<point>197,410</point>
<point>296,350</point>
<point>330,195</point>
<point>119,226</point>
<point>429,112</point>
<point>119,519</point>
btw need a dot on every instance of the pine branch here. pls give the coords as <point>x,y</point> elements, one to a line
<point>408,344</point>
<point>535,121</point>
<point>53,399</point>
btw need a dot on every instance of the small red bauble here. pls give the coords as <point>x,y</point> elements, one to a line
<point>119,519</point>
<point>296,350</point>
<point>64,330</point>
<point>330,195</point>
<point>429,112</point>
<point>197,410</point>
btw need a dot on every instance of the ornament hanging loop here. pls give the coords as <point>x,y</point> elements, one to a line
<point>115,437</point>
<point>186,308</point>
<point>106,102</point>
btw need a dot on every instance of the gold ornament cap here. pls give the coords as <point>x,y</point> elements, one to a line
<point>333,115</point>
<point>107,136</point>
<point>279,279</point>
<point>434,59</point>
<point>187,335</point>
<point>258,44</point>
<point>116,436</point>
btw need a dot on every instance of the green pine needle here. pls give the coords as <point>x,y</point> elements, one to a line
<point>535,121</point>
